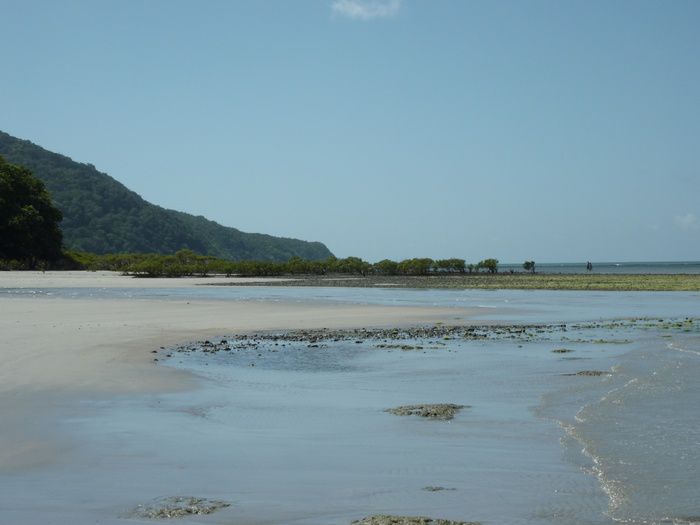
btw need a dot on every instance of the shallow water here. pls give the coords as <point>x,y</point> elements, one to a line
<point>640,432</point>
<point>545,306</point>
<point>316,426</point>
<point>303,437</point>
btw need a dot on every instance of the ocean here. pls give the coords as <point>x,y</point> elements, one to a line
<point>682,267</point>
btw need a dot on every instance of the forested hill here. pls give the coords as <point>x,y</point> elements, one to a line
<point>101,215</point>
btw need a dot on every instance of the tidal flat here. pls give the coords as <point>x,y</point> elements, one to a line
<point>493,413</point>
<point>499,281</point>
<point>301,426</point>
<point>287,416</point>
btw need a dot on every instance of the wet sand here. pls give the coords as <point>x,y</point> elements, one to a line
<point>56,350</point>
<point>287,424</point>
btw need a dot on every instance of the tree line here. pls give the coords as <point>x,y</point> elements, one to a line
<point>186,263</point>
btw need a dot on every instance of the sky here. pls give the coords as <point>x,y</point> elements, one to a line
<point>520,130</point>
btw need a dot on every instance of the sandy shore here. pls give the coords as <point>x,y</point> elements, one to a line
<point>297,430</point>
<point>80,279</point>
<point>56,351</point>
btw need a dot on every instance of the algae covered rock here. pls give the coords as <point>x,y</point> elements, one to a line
<point>593,373</point>
<point>384,519</point>
<point>178,507</point>
<point>443,411</point>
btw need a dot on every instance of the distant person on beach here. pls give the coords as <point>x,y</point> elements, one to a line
<point>589,266</point>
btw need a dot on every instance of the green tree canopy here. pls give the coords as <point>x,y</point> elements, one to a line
<point>28,220</point>
<point>451,265</point>
<point>490,264</point>
<point>386,267</point>
<point>415,266</point>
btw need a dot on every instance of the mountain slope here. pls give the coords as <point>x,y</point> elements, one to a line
<point>101,215</point>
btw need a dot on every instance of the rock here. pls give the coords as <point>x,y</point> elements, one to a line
<point>178,507</point>
<point>589,373</point>
<point>434,488</point>
<point>442,411</point>
<point>383,519</point>
<point>562,350</point>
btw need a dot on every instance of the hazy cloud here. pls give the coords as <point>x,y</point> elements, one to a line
<point>366,9</point>
<point>689,221</point>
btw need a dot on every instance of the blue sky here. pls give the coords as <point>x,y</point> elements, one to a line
<point>545,130</point>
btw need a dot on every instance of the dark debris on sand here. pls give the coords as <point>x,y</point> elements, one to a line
<point>592,373</point>
<point>430,337</point>
<point>386,338</point>
<point>436,488</point>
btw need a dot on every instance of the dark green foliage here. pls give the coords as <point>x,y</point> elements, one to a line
<point>529,266</point>
<point>29,230</point>
<point>386,267</point>
<point>100,215</point>
<point>349,265</point>
<point>415,266</point>
<point>489,264</point>
<point>450,265</point>
<point>187,263</point>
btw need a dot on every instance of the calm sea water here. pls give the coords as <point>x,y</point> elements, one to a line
<point>688,267</point>
<point>637,431</point>
<point>643,434</point>
<point>302,436</point>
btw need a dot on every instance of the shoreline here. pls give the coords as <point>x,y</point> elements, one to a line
<point>56,350</point>
<point>650,282</point>
<point>483,281</point>
<point>107,279</point>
